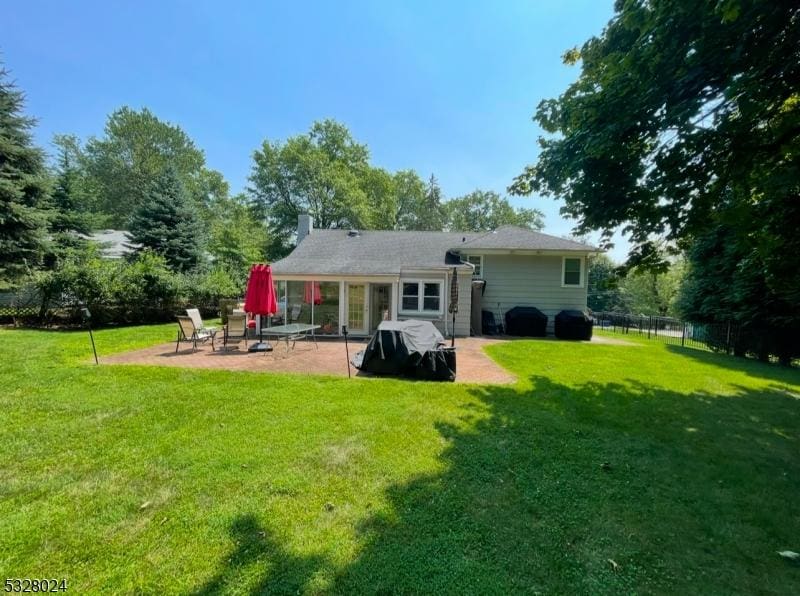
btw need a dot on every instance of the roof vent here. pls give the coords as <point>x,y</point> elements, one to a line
<point>354,233</point>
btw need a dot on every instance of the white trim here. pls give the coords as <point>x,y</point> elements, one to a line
<point>345,278</point>
<point>395,293</point>
<point>421,297</point>
<point>582,272</point>
<point>365,314</point>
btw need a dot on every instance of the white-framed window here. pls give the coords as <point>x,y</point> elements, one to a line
<point>419,296</point>
<point>572,272</point>
<point>477,262</point>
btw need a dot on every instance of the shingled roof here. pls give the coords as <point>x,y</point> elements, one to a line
<point>518,238</point>
<point>372,252</point>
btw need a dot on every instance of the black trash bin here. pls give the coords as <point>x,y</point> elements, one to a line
<point>526,321</point>
<point>573,324</point>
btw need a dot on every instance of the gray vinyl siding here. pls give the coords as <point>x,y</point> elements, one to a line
<point>527,280</point>
<point>464,299</point>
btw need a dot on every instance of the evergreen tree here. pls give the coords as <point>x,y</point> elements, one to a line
<point>166,224</point>
<point>432,215</point>
<point>23,188</point>
<point>69,218</point>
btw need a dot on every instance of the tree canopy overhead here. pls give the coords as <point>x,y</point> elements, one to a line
<point>684,112</point>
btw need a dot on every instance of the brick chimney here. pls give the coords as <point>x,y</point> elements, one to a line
<point>305,225</point>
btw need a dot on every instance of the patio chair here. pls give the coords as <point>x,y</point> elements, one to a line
<point>295,314</point>
<point>194,314</point>
<point>236,329</point>
<point>188,332</point>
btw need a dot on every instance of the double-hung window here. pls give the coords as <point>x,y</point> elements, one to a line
<point>421,297</point>
<point>571,272</point>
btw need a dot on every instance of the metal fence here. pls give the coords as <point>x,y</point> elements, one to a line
<point>722,337</point>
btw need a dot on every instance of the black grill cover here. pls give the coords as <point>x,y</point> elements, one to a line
<point>488,325</point>
<point>410,349</point>
<point>526,321</point>
<point>573,324</point>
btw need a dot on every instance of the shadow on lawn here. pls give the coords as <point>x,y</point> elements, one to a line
<point>545,487</point>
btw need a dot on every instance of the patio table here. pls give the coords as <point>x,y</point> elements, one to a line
<point>293,332</point>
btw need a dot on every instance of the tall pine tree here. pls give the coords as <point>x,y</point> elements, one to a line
<point>23,189</point>
<point>70,219</point>
<point>166,224</point>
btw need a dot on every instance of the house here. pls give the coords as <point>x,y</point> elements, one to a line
<point>113,244</point>
<point>359,278</point>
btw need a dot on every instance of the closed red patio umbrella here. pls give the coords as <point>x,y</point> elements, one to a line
<point>312,293</point>
<point>260,299</point>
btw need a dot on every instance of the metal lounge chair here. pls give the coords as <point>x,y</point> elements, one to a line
<point>188,332</point>
<point>194,314</point>
<point>236,329</point>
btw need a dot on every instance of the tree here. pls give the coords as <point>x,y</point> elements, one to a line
<point>23,189</point>
<point>430,214</point>
<point>647,292</point>
<point>321,173</point>
<point>727,282</point>
<point>402,201</point>
<point>236,238</point>
<point>134,150</point>
<point>481,211</point>
<point>685,113</point>
<point>604,294</point>
<point>69,202</point>
<point>166,223</point>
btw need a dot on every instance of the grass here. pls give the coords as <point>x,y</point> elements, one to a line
<point>681,467</point>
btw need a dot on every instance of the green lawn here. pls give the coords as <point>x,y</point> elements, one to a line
<point>152,480</point>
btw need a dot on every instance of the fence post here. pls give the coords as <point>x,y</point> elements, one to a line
<point>728,339</point>
<point>649,325</point>
<point>683,334</point>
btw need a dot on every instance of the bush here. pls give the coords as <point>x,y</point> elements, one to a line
<point>206,290</point>
<point>141,290</point>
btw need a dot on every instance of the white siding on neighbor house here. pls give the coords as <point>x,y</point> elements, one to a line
<point>528,280</point>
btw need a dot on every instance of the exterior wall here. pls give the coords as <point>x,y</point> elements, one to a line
<point>439,319</point>
<point>527,280</point>
<point>443,321</point>
<point>464,303</point>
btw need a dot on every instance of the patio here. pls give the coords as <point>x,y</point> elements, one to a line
<point>474,366</point>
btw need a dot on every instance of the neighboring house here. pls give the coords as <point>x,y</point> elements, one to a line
<point>358,278</point>
<point>114,244</point>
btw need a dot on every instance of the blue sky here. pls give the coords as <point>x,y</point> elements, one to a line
<point>446,88</point>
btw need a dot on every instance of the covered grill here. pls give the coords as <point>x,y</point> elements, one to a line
<point>573,324</point>
<point>526,321</point>
<point>408,348</point>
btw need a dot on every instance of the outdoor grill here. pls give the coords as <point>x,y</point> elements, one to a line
<point>526,321</point>
<point>573,324</point>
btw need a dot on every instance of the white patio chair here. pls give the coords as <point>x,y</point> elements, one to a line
<point>188,332</point>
